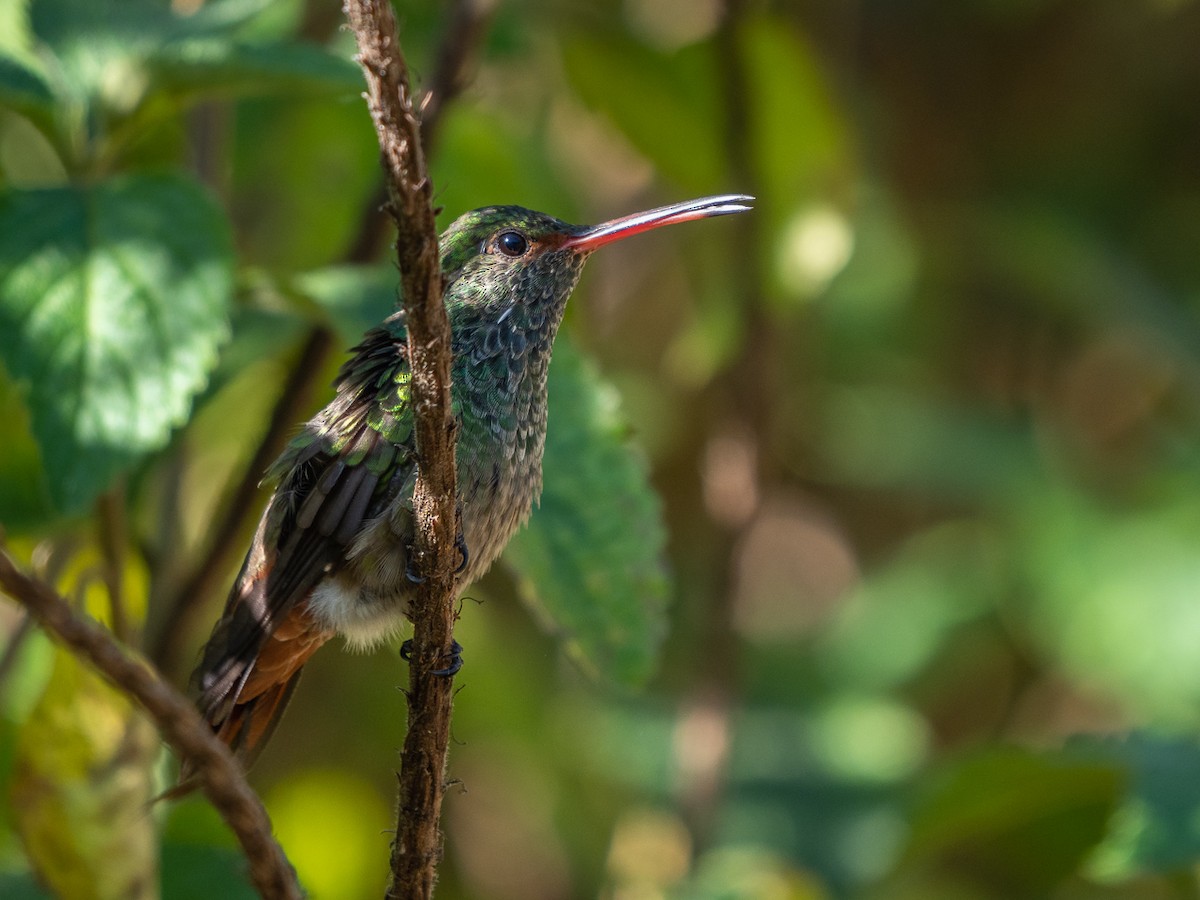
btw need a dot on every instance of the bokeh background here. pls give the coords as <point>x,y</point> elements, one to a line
<point>925,427</point>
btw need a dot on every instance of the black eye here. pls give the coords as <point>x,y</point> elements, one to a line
<point>512,243</point>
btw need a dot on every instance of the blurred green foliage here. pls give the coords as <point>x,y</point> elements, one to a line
<point>922,429</point>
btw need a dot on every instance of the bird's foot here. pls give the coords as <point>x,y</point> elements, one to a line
<point>460,541</point>
<point>455,655</point>
<point>456,661</point>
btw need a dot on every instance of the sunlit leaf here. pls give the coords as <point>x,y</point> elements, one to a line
<point>591,558</point>
<point>81,788</point>
<point>332,824</point>
<point>1157,827</point>
<point>117,62</point>
<point>1113,598</point>
<point>353,298</point>
<point>113,302</point>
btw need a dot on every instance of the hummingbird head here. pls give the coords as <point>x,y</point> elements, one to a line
<point>503,260</point>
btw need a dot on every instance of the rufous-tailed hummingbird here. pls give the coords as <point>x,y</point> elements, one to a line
<point>331,553</point>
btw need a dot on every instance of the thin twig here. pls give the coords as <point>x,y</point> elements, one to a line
<point>219,775</point>
<point>416,849</point>
<point>465,27</point>
<point>110,518</point>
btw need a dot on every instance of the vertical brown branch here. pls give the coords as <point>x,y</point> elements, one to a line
<point>465,27</point>
<point>416,849</point>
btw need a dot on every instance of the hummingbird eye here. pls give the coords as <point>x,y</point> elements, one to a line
<point>512,243</point>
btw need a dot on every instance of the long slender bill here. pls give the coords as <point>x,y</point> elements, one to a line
<point>589,239</point>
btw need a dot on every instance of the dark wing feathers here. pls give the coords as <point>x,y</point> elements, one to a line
<point>328,481</point>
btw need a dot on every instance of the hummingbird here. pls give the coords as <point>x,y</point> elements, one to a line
<point>331,554</point>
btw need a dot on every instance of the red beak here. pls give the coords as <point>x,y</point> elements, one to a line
<point>588,239</point>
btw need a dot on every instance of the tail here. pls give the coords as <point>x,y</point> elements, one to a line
<point>247,677</point>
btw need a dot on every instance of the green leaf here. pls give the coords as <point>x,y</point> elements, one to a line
<point>15,36</point>
<point>798,136</point>
<point>591,560</point>
<point>352,299</point>
<point>22,87</point>
<point>24,494</point>
<point>1158,825</point>
<point>113,303</point>
<point>1111,594</point>
<point>83,781</point>
<point>1016,821</point>
<point>204,67</point>
<point>117,67</point>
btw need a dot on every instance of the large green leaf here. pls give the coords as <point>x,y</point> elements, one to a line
<point>591,560</point>
<point>113,302</point>
<point>1014,820</point>
<point>114,67</point>
<point>798,137</point>
<point>1158,825</point>
<point>352,299</point>
<point>25,89</point>
<point>21,86</point>
<point>82,784</point>
<point>24,495</point>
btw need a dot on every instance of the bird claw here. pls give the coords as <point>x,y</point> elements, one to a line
<point>455,655</point>
<point>456,661</point>
<point>461,543</point>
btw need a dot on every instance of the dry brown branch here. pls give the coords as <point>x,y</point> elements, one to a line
<point>416,849</point>
<point>220,777</point>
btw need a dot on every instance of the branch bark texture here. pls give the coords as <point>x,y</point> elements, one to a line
<point>220,776</point>
<point>417,847</point>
